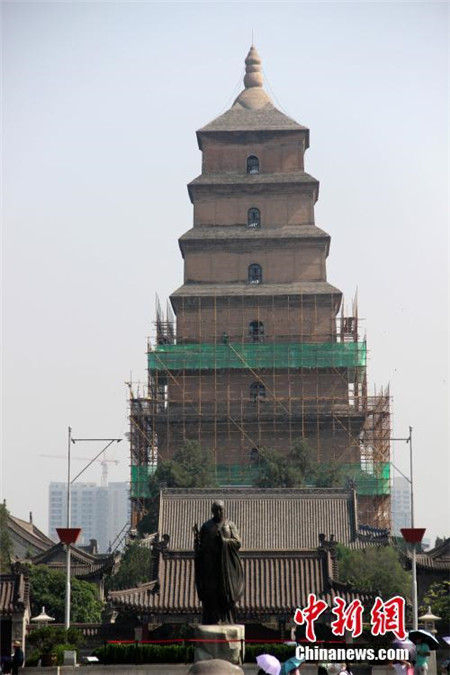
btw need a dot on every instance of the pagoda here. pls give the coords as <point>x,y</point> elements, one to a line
<point>256,350</point>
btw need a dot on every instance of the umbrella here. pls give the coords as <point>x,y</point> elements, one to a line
<point>269,664</point>
<point>447,639</point>
<point>405,644</point>
<point>290,664</point>
<point>425,636</point>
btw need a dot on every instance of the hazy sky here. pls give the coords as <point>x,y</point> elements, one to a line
<point>100,106</point>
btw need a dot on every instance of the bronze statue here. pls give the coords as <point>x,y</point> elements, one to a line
<point>219,576</point>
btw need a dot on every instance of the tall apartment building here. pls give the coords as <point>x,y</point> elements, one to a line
<point>257,350</point>
<point>101,512</point>
<point>400,504</point>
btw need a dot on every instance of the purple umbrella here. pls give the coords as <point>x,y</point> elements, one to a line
<point>405,644</point>
<point>269,664</point>
<point>447,639</point>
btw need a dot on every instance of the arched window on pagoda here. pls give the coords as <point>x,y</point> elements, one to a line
<point>257,391</point>
<point>256,331</point>
<point>254,455</point>
<point>252,164</point>
<point>254,217</point>
<point>255,274</point>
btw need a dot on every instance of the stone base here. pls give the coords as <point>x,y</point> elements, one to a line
<point>230,646</point>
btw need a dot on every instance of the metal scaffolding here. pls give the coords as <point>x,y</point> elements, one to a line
<point>241,389</point>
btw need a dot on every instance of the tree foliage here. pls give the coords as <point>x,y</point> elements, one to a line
<point>45,639</point>
<point>277,471</point>
<point>438,598</point>
<point>374,569</point>
<point>191,467</point>
<point>296,469</point>
<point>47,589</point>
<point>6,543</point>
<point>134,567</point>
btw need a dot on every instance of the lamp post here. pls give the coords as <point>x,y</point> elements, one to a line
<point>69,535</point>
<point>429,620</point>
<point>412,535</point>
<point>43,618</point>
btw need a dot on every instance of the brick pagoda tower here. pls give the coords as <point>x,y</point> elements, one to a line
<point>262,354</point>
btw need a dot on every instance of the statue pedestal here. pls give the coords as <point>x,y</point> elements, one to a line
<point>227,642</point>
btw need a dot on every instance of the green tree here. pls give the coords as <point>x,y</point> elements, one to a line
<point>276,470</point>
<point>374,569</point>
<point>438,598</point>
<point>135,567</point>
<point>191,467</point>
<point>6,543</point>
<point>46,638</point>
<point>47,589</point>
<point>296,469</point>
<point>329,475</point>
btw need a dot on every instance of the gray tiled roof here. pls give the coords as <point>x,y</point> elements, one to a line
<point>83,564</point>
<point>201,233</point>
<point>437,559</point>
<point>267,118</point>
<point>28,534</point>
<point>14,592</point>
<point>267,519</point>
<point>256,290</point>
<point>275,583</point>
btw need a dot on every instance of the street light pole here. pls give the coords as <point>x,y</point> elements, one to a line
<point>413,561</point>
<point>413,533</point>
<point>67,540</point>
<point>67,598</point>
<point>69,441</point>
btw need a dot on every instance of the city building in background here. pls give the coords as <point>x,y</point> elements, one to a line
<point>102,512</point>
<point>400,504</point>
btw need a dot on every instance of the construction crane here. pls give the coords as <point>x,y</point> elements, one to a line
<point>104,462</point>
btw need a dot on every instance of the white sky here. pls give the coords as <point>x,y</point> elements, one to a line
<point>100,106</point>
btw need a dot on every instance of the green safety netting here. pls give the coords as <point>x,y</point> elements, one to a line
<point>375,481</point>
<point>139,481</point>
<point>215,356</point>
<point>368,483</point>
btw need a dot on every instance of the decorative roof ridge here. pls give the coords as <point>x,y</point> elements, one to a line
<point>310,491</point>
<point>426,561</point>
<point>147,586</point>
<point>303,553</point>
<point>78,556</point>
<point>26,529</point>
<point>441,548</point>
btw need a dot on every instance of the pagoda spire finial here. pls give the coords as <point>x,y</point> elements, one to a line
<point>253,70</point>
